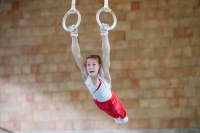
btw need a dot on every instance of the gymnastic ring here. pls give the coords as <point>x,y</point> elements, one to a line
<point>72,11</point>
<point>106,9</point>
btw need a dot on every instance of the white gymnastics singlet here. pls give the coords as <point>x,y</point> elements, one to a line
<point>101,91</point>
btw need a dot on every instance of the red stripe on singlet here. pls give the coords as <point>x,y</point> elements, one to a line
<point>98,86</point>
<point>102,82</point>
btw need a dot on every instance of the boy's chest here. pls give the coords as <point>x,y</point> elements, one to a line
<point>99,84</point>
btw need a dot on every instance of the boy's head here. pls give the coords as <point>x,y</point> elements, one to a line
<point>93,64</point>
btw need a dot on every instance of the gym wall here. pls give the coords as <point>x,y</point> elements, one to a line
<point>155,64</point>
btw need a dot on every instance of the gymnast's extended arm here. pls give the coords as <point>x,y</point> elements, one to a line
<point>76,53</point>
<point>106,53</point>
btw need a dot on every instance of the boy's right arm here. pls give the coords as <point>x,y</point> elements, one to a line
<point>77,55</point>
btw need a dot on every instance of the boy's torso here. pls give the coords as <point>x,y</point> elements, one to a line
<point>101,91</point>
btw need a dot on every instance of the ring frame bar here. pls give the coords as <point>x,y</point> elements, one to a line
<point>71,11</point>
<point>73,5</point>
<point>105,3</point>
<point>106,9</point>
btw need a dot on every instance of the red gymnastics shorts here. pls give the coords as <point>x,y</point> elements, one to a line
<point>112,107</point>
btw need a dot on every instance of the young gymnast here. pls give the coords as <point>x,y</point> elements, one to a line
<point>97,78</point>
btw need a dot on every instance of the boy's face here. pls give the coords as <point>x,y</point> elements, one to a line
<point>92,66</point>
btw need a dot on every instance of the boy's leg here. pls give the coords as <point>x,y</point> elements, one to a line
<point>118,106</point>
<point>114,108</point>
<point>106,107</point>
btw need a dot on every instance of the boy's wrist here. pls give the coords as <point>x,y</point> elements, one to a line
<point>104,33</point>
<point>74,34</point>
<point>103,30</point>
<point>74,31</point>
